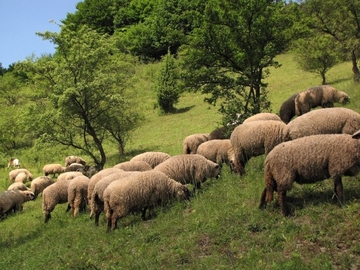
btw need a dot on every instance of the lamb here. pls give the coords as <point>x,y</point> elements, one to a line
<point>324,96</point>
<point>97,177</point>
<point>262,116</point>
<point>140,192</point>
<point>53,169</point>
<point>97,198</point>
<point>218,151</point>
<point>14,162</point>
<point>52,195</point>
<point>192,142</point>
<point>253,139</point>
<point>68,176</point>
<point>308,160</point>
<point>18,186</point>
<point>323,121</point>
<point>134,165</point>
<point>22,177</point>
<point>13,200</point>
<point>287,109</point>
<point>14,173</point>
<point>40,183</point>
<point>74,159</point>
<point>77,194</point>
<point>152,158</point>
<point>189,169</point>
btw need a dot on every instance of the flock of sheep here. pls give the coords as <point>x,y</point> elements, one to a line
<point>316,145</point>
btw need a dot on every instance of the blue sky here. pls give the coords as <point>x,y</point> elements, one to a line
<point>21,19</point>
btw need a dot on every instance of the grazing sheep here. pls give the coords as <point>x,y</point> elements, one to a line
<point>40,183</point>
<point>134,165</point>
<point>97,177</point>
<point>18,186</point>
<point>14,173</point>
<point>12,200</point>
<point>287,109</point>
<point>75,167</point>
<point>89,171</point>
<point>323,121</point>
<point>152,158</point>
<point>262,116</point>
<point>324,96</point>
<point>192,142</point>
<point>97,198</point>
<point>22,177</point>
<point>14,162</point>
<point>253,139</point>
<point>53,195</point>
<point>189,169</point>
<point>308,160</point>
<point>139,192</point>
<point>218,151</point>
<point>77,194</point>
<point>68,176</point>
<point>221,133</point>
<point>53,169</point>
<point>74,159</point>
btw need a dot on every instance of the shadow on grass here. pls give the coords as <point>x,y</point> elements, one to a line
<point>184,110</point>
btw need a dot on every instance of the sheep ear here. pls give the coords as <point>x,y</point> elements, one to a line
<point>356,135</point>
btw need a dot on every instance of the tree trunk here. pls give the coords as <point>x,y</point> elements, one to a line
<point>355,68</point>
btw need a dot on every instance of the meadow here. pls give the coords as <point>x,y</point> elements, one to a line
<point>220,228</point>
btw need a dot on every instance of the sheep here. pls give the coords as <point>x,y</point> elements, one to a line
<point>134,165</point>
<point>98,176</point>
<point>191,142</point>
<point>77,194</point>
<point>221,133</point>
<point>139,192</point>
<point>323,121</point>
<point>22,177</point>
<point>218,151</point>
<point>40,183</point>
<point>68,176</point>
<point>14,173</point>
<point>308,160</point>
<point>12,200</point>
<point>287,109</point>
<point>18,186</point>
<point>253,139</point>
<point>53,169</point>
<point>262,116</point>
<point>74,167</point>
<point>189,169</point>
<point>97,199</point>
<point>14,162</point>
<point>74,159</point>
<point>152,158</point>
<point>324,96</point>
<point>52,195</point>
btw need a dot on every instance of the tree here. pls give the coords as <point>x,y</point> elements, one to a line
<point>228,55</point>
<point>317,54</point>
<point>339,19</point>
<point>82,96</point>
<point>167,88</point>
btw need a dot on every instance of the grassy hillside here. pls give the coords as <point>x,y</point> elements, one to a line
<point>220,228</point>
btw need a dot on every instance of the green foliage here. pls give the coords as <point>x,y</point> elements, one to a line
<point>229,54</point>
<point>167,89</point>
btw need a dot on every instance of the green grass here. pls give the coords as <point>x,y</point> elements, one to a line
<point>220,228</point>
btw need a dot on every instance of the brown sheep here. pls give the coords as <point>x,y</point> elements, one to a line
<point>287,109</point>
<point>192,142</point>
<point>152,158</point>
<point>133,165</point>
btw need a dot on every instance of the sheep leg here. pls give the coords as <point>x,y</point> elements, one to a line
<point>97,216</point>
<point>262,200</point>
<point>282,202</point>
<point>338,189</point>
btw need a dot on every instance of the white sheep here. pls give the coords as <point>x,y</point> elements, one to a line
<point>40,183</point>
<point>133,165</point>
<point>53,169</point>
<point>13,200</point>
<point>77,194</point>
<point>308,160</point>
<point>97,198</point>
<point>152,158</point>
<point>189,169</point>
<point>68,176</point>
<point>139,192</point>
<point>18,186</point>
<point>14,173</point>
<point>253,139</point>
<point>323,121</point>
<point>53,195</point>
<point>218,151</point>
<point>191,142</point>
<point>75,167</point>
<point>262,116</point>
<point>74,159</point>
<point>22,177</point>
<point>14,162</point>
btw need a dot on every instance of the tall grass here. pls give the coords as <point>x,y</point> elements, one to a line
<point>220,228</point>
